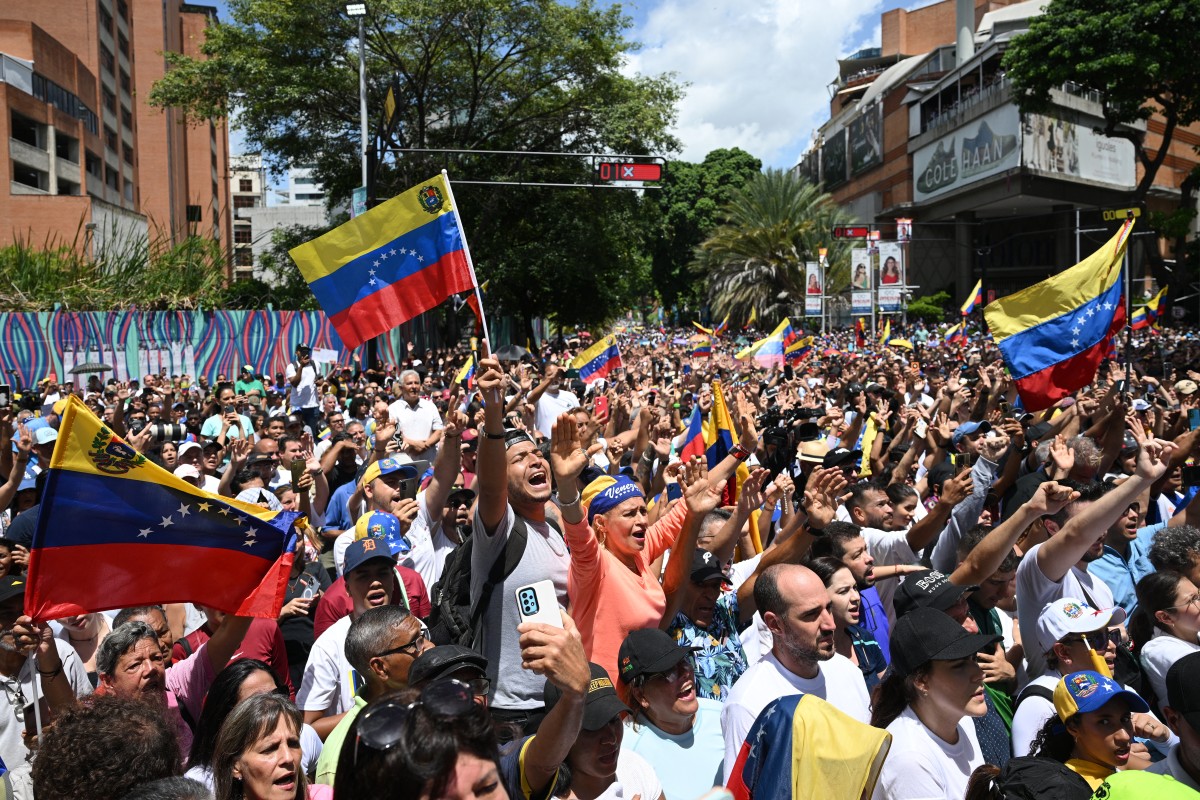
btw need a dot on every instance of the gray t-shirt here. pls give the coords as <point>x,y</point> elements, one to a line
<point>545,558</point>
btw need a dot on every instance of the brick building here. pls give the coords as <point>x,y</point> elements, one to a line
<point>87,159</point>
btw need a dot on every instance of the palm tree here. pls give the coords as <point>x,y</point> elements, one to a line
<point>755,258</point>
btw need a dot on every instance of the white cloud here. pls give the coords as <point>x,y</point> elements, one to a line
<point>758,69</point>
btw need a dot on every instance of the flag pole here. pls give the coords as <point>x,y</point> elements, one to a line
<point>470,262</point>
<point>1128,307</point>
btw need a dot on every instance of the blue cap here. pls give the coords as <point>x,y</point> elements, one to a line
<point>970,429</point>
<point>1086,691</point>
<point>364,550</point>
<point>382,525</point>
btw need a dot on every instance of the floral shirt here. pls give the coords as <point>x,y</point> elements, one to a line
<point>720,659</point>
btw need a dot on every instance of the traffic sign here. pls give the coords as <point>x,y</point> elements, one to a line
<point>1120,214</point>
<point>852,232</point>
<point>619,171</point>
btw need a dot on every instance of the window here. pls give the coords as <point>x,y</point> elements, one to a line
<point>110,138</point>
<point>107,61</point>
<point>93,164</point>
<point>28,176</point>
<point>128,191</point>
<point>68,187</point>
<point>241,201</point>
<point>241,235</point>
<point>127,153</point>
<point>125,84</point>
<point>28,131</point>
<point>111,178</point>
<point>243,258</point>
<point>123,10</point>
<point>110,101</point>
<point>193,213</point>
<point>245,185</point>
<point>66,147</point>
<point>106,20</point>
<point>123,44</point>
<point>88,117</point>
<point>126,118</point>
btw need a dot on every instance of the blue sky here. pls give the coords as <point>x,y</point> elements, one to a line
<point>757,72</point>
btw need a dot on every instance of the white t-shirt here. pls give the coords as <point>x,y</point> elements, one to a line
<point>12,720</point>
<point>549,406</point>
<point>1034,590</point>
<point>838,681</point>
<point>328,683</point>
<point>303,394</point>
<point>888,548</point>
<point>416,422</point>
<point>921,766</point>
<point>1159,654</point>
<point>635,778</point>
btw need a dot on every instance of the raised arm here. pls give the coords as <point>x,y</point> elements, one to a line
<point>491,480</point>
<point>448,462</point>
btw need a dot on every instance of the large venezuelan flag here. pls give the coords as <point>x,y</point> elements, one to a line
<point>769,351</point>
<point>1054,334</point>
<point>384,267</point>
<point>719,438</point>
<point>796,352</point>
<point>598,360</point>
<point>116,530</point>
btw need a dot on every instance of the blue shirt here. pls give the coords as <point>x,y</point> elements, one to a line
<point>874,620</point>
<point>689,764</point>
<point>337,513</point>
<point>1121,574</point>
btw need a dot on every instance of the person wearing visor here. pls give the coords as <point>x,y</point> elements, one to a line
<point>678,733</point>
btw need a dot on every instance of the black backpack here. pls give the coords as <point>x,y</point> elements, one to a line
<point>452,618</point>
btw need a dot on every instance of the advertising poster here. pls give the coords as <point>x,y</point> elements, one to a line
<point>866,141</point>
<point>978,149</point>
<point>1060,147</point>
<point>891,264</point>
<point>812,306</point>
<point>812,279</point>
<point>834,159</point>
<point>860,268</point>
<point>860,304</point>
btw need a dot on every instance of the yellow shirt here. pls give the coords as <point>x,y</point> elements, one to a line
<point>1090,771</point>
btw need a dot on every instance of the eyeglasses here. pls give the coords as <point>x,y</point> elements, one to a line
<point>1107,635</point>
<point>381,727</point>
<point>457,503</point>
<point>1191,602</point>
<point>412,649</point>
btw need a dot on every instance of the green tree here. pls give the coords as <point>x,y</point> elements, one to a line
<point>931,308</point>
<point>755,258</point>
<point>680,215</point>
<point>1140,58</point>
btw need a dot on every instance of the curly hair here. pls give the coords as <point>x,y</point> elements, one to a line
<point>103,747</point>
<point>1054,741</point>
<point>1176,548</point>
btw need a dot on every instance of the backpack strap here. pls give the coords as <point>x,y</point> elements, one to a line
<point>504,565</point>
<point>1033,690</point>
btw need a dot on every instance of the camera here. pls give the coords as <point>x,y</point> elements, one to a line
<point>160,431</point>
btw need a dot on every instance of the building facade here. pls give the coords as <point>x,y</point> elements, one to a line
<point>88,159</point>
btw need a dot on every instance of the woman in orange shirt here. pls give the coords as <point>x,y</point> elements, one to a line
<point>613,591</point>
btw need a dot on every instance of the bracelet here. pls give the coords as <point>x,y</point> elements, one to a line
<point>49,676</point>
<point>816,533</point>
<point>574,502</point>
<point>494,436</point>
<point>739,452</point>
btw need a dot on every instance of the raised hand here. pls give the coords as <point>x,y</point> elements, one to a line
<point>822,495</point>
<point>567,456</point>
<point>958,488</point>
<point>699,493</point>
<point>1051,497</point>
<point>1061,456</point>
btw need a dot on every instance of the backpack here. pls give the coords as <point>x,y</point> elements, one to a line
<point>1035,778</point>
<point>453,619</point>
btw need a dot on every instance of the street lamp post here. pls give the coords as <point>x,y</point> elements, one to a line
<point>359,11</point>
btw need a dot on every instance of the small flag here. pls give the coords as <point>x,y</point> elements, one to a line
<point>719,439</point>
<point>798,350</point>
<point>956,333</point>
<point>702,329</point>
<point>860,333</point>
<point>975,299</point>
<point>598,360</point>
<point>886,336</point>
<point>770,350</point>
<point>753,318</point>
<point>703,349</point>
<point>720,329</point>
<point>466,375</point>
<point>692,443</point>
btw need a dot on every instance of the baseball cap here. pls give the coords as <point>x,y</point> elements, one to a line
<point>926,634</point>
<point>649,651</point>
<point>461,496</point>
<point>260,458</point>
<point>387,466</point>
<point>11,586</point>
<point>1140,405</point>
<point>186,448</point>
<point>601,703</point>
<point>1186,386</point>
<point>706,566</point>
<point>927,588</point>
<point>45,435</point>
<point>207,443</point>
<point>1086,691</point>
<point>970,429</point>
<point>382,525</point>
<point>1068,615</point>
<point>1037,432</point>
<point>186,471</point>
<point>1183,691</point>
<point>813,452</point>
<point>363,550</point>
<point>443,661</point>
<point>247,368</point>
<point>841,457</point>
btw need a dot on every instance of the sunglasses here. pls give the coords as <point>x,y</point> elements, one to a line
<point>381,727</point>
<point>1106,635</point>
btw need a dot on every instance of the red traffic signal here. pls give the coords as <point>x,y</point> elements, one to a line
<point>618,171</point>
<point>854,232</point>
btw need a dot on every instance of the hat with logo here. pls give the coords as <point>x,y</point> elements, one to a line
<point>1186,386</point>
<point>649,651</point>
<point>12,586</point>
<point>186,471</point>
<point>382,525</point>
<point>927,588</point>
<point>841,457</point>
<point>969,429</point>
<point>45,435</point>
<point>926,634</point>
<point>1183,690</point>
<point>1140,405</point>
<point>706,567</point>
<point>442,662</point>
<point>1068,615</point>
<point>601,705</point>
<point>363,550</point>
<point>387,466</point>
<point>1086,691</point>
<point>186,448</point>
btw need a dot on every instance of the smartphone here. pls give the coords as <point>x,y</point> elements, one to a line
<point>1193,415</point>
<point>601,410</point>
<point>229,409</point>
<point>962,461</point>
<point>788,372</point>
<point>297,470</point>
<point>5,395</point>
<point>538,602</point>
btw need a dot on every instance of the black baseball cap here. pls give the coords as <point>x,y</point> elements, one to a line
<point>706,566</point>
<point>443,661</point>
<point>462,495</point>
<point>648,651</point>
<point>927,588</point>
<point>12,586</point>
<point>841,457</point>
<point>926,634</point>
<point>601,704</point>
<point>1183,692</point>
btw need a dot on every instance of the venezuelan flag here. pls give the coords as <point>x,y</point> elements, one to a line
<point>975,299</point>
<point>703,349</point>
<point>1054,334</point>
<point>955,333</point>
<point>692,443</point>
<point>770,350</point>
<point>886,336</point>
<point>384,267</point>
<point>702,329</point>
<point>466,375</point>
<point>797,351</point>
<point>115,530</point>
<point>718,441</point>
<point>598,360</point>
<point>1140,319</point>
<point>720,329</point>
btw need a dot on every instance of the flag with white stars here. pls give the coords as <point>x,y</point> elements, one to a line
<point>116,530</point>
<point>382,268</point>
<point>1055,334</point>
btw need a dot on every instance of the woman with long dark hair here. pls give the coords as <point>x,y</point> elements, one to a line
<point>851,641</point>
<point>1166,625</point>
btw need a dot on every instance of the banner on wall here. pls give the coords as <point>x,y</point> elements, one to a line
<point>812,306</point>
<point>833,160</point>
<point>866,140</point>
<point>983,147</point>
<point>1078,151</point>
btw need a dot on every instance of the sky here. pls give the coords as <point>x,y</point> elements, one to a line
<point>757,72</point>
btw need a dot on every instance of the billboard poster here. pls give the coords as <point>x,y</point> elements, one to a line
<point>891,264</point>
<point>890,298</point>
<point>812,279</point>
<point>983,147</point>
<point>860,304</point>
<point>833,159</point>
<point>1064,148</point>
<point>866,141</point>
<point>809,168</point>
<point>860,268</point>
<point>812,306</point>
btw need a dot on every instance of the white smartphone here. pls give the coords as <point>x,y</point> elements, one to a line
<point>538,602</point>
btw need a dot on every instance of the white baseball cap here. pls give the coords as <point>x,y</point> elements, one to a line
<point>186,471</point>
<point>1068,615</point>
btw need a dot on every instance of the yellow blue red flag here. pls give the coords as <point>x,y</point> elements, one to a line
<point>598,360</point>
<point>116,530</point>
<point>975,298</point>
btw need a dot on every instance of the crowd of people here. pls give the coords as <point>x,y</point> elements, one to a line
<point>522,585</point>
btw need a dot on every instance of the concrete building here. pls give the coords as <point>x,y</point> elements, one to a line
<point>248,188</point>
<point>926,128</point>
<point>86,155</point>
